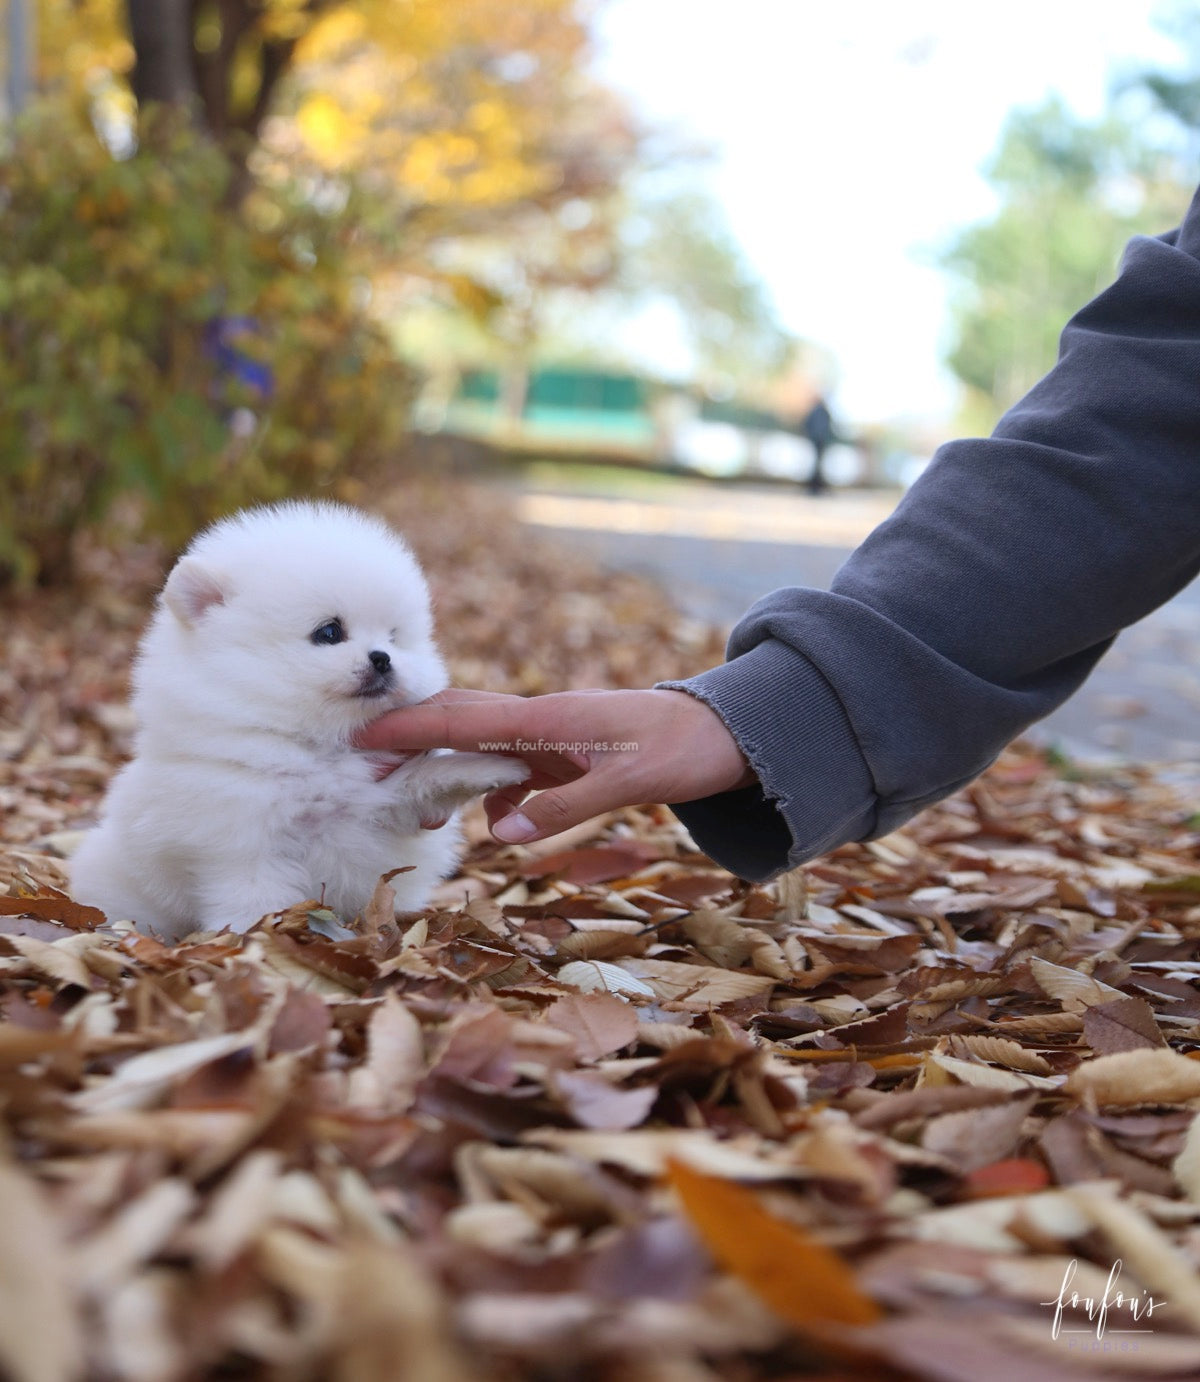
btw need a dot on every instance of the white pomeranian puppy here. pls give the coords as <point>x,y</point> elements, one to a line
<point>279,633</point>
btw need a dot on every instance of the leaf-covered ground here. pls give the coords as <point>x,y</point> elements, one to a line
<point>604,1112</point>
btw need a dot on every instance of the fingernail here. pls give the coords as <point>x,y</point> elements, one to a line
<point>514,828</point>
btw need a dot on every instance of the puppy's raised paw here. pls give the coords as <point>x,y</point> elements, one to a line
<point>477,773</point>
<point>443,782</point>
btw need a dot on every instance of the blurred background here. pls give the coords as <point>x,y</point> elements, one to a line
<point>698,288</point>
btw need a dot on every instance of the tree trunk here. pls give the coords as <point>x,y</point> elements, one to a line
<point>161,31</point>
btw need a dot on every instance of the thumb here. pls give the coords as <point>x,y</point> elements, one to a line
<point>558,808</point>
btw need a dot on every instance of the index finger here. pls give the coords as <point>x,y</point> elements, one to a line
<point>482,726</point>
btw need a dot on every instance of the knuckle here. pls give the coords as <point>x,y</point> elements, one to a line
<point>554,809</point>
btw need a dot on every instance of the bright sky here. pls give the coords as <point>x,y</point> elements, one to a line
<point>849,140</point>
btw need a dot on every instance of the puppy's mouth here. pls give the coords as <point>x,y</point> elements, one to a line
<point>373,685</point>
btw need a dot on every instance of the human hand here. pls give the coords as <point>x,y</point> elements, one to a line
<point>589,751</point>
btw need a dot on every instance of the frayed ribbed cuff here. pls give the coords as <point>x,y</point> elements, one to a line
<point>816,791</point>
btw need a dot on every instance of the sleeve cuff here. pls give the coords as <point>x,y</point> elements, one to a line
<point>815,790</point>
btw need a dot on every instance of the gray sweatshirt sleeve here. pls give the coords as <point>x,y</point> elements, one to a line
<point>987,597</point>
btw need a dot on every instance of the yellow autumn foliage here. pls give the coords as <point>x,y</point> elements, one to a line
<point>463,103</point>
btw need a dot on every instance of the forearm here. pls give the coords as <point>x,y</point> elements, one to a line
<point>988,597</point>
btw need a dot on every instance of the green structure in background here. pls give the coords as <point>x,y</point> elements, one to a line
<point>564,409</point>
<point>622,417</point>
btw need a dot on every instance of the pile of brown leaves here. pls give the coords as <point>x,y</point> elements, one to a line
<point>605,1112</point>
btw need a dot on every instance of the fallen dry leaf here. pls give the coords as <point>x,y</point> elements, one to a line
<point>41,1336</point>
<point>1125,1024</point>
<point>802,1279</point>
<point>1137,1077</point>
<point>599,1023</point>
<point>439,1143</point>
<point>1013,1176</point>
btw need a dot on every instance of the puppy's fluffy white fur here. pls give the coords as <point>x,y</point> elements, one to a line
<point>279,633</point>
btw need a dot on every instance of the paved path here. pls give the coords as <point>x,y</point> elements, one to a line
<point>1142,702</point>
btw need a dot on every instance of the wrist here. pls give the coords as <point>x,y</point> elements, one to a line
<point>708,749</point>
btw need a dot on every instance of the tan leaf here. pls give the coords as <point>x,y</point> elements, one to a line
<point>300,966</point>
<point>57,959</point>
<point>1040,1025</point>
<point>41,1338</point>
<point>496,1226</point>
<point>1136,1077</point>
<point>139,1325</point>
<point>1003,1224</point>
<point>603,943</point>
<point>570,1185</point>
<point>646,1152</point>
<point>1000,1051</point>
<point>1073,990</point>
<point>141,1080</point>
<point>962,986</point>
<point>21,1044</point>
<point>594,864</point>
<point>236,1212</point>
<point>731,943</point>
<point>697,988</point>
<point>599,976</point>
<point>185,1133</point>
<point>395,1059</point>
<point>600,1023</point>
<point>1186,1165</point>
<point>133,1235</point>
<point>986,1076</point>
<point>380,912</point>
<point>972,1138</point>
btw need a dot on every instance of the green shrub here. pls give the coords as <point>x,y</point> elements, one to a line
<point>114,274</point>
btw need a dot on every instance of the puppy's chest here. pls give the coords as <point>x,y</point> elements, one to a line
<point>329,805</point>
<point>318,817</point>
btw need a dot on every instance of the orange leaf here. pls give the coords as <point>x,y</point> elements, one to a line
<point>806,1283</point>
<point>900,1060</point>
<point>1016,1175</point>
<point>51,905</point>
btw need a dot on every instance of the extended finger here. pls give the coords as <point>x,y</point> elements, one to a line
<point>492,724</point>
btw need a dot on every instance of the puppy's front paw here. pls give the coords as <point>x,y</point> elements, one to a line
<point>445,781</point>
<point>476,773</point>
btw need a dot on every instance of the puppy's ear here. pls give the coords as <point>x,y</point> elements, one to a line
<point>192,589</point>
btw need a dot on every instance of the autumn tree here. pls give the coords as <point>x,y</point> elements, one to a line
<point>463,110</point>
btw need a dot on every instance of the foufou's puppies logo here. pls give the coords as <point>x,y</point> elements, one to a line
<point>1115,1317</point>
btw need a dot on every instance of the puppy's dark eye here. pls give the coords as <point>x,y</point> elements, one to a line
<point>333,632</point>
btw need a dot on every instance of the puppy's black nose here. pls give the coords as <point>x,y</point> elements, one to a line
<point>380,661</point>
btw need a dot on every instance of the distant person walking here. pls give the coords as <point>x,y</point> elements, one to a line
<point>817,427</point>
